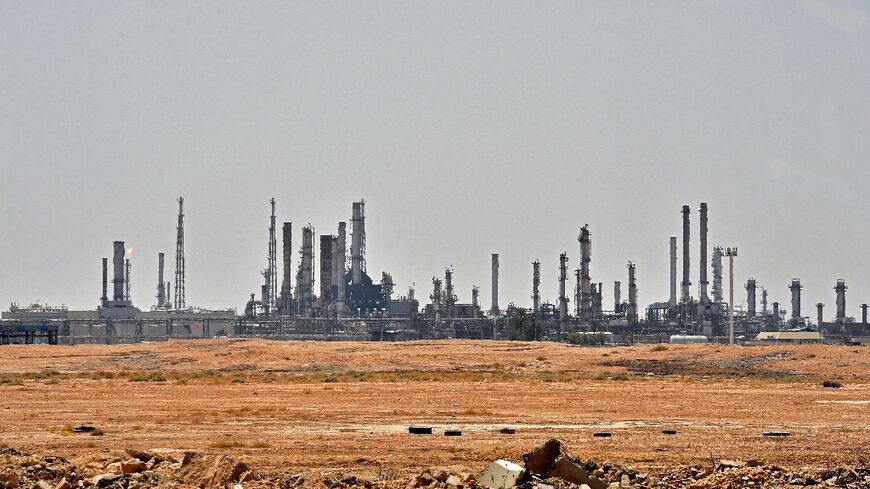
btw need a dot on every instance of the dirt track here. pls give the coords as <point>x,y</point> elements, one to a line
<point>345,407</point>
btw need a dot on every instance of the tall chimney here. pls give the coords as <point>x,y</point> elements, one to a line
<point>357,241</point>
<point>763,302</point>
<point>820,317</point>
<point>841,299</point>
<point>750,297</point>
<point>118,265</point>
<point>673,299</point>
<point>864,313</point>
<point>703,278</point>
<point>286,274</point>
<point>795,288</point>
<point>161,291</point>
<point>536,288</point>
<point>341,254</point>
<point>632,293</point>
<point>617,295</point>
<point>775,312</point>
<point>686,284</point>
<point>475,293</point>
<point>563,299</point>
<point>105,296</point>
<point>494,310</point>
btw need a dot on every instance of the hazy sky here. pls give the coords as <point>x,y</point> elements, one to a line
<point>468,127</point>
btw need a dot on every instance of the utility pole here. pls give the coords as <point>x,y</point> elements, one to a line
<point>731,253</point>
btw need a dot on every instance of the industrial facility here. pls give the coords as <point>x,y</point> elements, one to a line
<point>334,296</point>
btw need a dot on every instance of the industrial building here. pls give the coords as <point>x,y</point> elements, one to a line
<point>334,296</point>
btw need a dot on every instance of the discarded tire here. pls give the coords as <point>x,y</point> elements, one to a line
<point>420,430</point>
<point>602,434</point>
<point>776,433</point>
<point>452,433</point>
<point>669,432</point>
<point>507,431</point>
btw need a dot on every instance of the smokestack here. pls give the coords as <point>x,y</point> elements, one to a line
<point>686,284</point>
<point>475,293</point>
<point>585,239</point>
<point>764,302</point>
<point>286,275</point>
<point>494,310</point>
<point>820,318</point>
<point>325,272</point>
<point>563,299</point>
<point>795,300</point>
<point>341,283</point>
<point>632,293</point>
<point>717,274</point>
<point>358,236</point>
<point>703,278</point>
<point>776,312</point>
<point>841,299</point>
<point>118,265</point>
<point>673,299</point>
<point>168,298</point>
<point>617,295</point>
<point>863,313</point>
<point>105,296</point>
<point>536,288</point>
<point>750,297</point>
<point>161,291</point>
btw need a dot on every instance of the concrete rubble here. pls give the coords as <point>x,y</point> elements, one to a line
<point>549,466</point>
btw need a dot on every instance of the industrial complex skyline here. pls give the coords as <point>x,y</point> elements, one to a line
<point>504,133</point>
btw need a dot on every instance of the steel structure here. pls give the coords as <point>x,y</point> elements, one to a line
<point>536,288</point>
<point>179,259</point>
<point>585,239</point>
<point>686,283</point>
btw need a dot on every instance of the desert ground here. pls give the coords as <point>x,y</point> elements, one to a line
<point>327,408</point>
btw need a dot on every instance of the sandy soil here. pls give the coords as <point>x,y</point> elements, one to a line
<point>318,407</point>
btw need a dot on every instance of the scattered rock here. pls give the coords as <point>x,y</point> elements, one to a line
<point>540,461</point>
<point>501,474</point>
<point>210,470</point>
<point>131,466</point>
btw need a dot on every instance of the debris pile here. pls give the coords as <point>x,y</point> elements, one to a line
<point>551,466</point>
<point>136,469</point>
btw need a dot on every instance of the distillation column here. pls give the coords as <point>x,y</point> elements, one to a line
<point>436,298</point>
<point>286,277</point>
<point>357,242</point>
<point>563,299</point>
<point>118,268</point>
<point>841,299</point>
<point>585,240</point>
<point>820,316</point>
<point>341,269</point>
<point>795,288</point>
<point>161,290</point>
<point>750,297</point>
<point>718,253</point>
<point>632,293</point>
<point>617,296</point>
<point>325,273</point>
